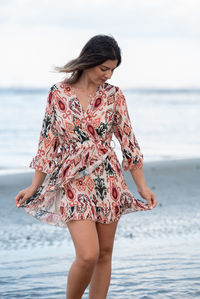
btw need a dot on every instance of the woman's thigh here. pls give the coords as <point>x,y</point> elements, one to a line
<point>106,236</point>
<point>85,238</point>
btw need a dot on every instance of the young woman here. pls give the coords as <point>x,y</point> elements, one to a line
<point>85,190</point>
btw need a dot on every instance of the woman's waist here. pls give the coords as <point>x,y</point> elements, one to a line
<point>74,148</point>
<point>76,164</point>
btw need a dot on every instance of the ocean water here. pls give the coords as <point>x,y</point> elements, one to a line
<point>165,122</point>
<point>156,253</point>
<point>170,270</point>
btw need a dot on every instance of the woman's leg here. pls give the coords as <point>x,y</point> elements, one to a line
<point>102,273</point>
<point>85,238</point>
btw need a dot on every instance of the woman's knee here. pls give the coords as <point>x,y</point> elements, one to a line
<point>89,257</point>
<point>106,235</point>
<point>85,238</point>
<point>105,253</point>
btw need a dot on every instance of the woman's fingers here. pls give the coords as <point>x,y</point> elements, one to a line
<point>23,195</point>
<point>153,199</point>
<point>20,198</point>
<point>22,201</point>
<point>149,196</point>
<point>148,199</point>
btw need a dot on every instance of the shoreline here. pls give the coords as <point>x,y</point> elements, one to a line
<point>176,216</point>
<point>174,182</point>
<point>159,162</point>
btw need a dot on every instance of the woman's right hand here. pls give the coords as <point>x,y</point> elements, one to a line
<point>23,195</point>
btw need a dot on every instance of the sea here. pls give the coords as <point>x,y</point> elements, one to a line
<point>165,122</point>
<point>156,256</point>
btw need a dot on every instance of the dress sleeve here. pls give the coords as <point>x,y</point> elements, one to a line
<point>48,144</point>
<point>123,131</point>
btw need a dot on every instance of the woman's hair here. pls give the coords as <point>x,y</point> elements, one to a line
<point>96,51</point>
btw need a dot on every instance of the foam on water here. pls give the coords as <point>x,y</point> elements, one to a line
<point>160,225</point>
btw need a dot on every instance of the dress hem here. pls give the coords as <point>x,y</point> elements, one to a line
<point>62,220</point>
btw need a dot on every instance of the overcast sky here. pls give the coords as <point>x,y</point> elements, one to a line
<point>160,40</point>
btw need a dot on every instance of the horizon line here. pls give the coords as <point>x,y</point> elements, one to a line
<point>37,89</point>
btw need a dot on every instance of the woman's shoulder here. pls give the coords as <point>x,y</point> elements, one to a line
<point>107,87</point>
<point>58,85</point>
<point>110,88</point>
<point>60,88</point>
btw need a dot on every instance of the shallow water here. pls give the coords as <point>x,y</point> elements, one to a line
<point>157,269</point>
<point>153,257</point>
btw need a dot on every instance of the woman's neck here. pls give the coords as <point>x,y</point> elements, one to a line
<point>85,84</point>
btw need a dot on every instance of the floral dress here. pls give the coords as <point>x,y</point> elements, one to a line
<point>85,179</point>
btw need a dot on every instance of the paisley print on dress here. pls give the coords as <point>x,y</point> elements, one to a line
<point>84,177</point>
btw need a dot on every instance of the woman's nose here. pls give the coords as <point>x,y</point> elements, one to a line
<point>108,74</point>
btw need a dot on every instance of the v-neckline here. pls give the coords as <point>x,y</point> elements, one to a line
<point>85,111</point>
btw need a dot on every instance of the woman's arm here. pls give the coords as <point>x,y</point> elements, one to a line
<point>123,131</point>
<point>143,190</point>
<point>132,155</point>
<point>138,177</point>
<point>48,145</point>
<point>38,179</point>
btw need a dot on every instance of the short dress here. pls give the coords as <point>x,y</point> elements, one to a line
<point>84,177</point>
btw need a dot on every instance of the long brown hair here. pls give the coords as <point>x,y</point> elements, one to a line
<point>96,51</point>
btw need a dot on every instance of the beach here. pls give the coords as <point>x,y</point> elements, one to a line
<point>141,84</point>
<point>156,252</point>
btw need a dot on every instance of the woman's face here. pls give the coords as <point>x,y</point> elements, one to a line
<point>102,72</point>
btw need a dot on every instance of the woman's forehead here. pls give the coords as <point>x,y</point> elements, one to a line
<point>110,63</point>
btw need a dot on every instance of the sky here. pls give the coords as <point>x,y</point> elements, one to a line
<point>159,40</point>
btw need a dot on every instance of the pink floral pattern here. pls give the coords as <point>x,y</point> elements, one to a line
<point>85,179</point>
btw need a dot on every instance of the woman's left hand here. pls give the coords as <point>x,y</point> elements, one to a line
<point>147,194</point>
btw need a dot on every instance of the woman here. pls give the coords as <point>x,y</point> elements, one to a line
<point>85,179</point>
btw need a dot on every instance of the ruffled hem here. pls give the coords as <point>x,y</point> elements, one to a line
<point>87,212</point>
<point>100,214</point>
